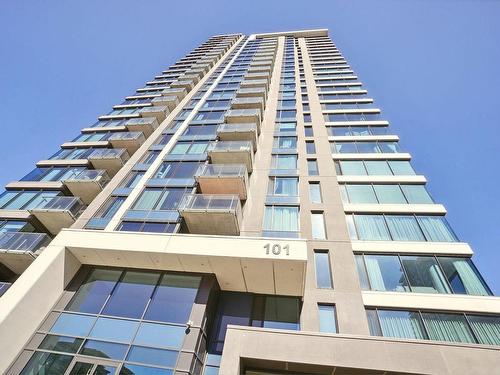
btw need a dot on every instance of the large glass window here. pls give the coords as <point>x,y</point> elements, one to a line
<point>400,228</point>
<point>284,162</point>
<point>281,218</point>
<point>159,199</point>
<point>132,294</point>
<point>419,273</point>
<point>286,186</point>
<point>374,167</point>
<point>136,323</point>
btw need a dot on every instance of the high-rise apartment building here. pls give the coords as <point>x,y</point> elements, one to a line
<point>248,211</point>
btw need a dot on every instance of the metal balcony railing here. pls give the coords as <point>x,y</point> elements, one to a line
<point>96,175</point>
<point>108,153</point>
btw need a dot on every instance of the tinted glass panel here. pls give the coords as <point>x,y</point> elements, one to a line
<point>151,334</point>
<point>94,291</point>
<point>282,312</point>
<point>323,273</point>
<point>61,343</point>
<point>385,273</point>
<point>424,274</point>
<point>47,364</point>
<point>173,299</point>
<point>104,349</point>
<point>401,324</point>
<point>152,356</point>
<point>143,370</point>
<point>73,325</point>
<point>114,329</point>
<point>132,294</point>
<point>327,322</point>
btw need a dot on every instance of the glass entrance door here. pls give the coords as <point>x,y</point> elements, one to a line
<point>83,367</point>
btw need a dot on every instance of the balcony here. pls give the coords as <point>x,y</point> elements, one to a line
<point>18,249</point>
<point>146,125</point>
<point>87,184</point>
<point>178,92</point>
<point>183,83</point>
<point>58,212</point>
<point>248,103</point>
<point>232,152</point>
<point>158,112</point>
<point>238,132</point>
<point>223,179</point>
<point>170,101</point>
<point>254,83</point>
<point>131,141</point>
<point>236,116</point>
<point>258,76</point>
<point>110,159</point>
<point>252,93</point>
<point>211,214</point>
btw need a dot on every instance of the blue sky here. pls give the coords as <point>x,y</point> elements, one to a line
<point>433,66</point>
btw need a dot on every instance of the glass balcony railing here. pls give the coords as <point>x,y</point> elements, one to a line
<point>230,146</point>
<point>68,204</point>
<point>206,202</point>
<point>126,136</point>
<point>221,170</point>
<point>23,241</point>
<point>108,153</point>
<point>95,175</point>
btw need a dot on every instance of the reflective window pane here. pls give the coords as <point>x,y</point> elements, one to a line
<point>73,325</point>
<point>361,194</point>
<point>389,194</point>
<point>42,363</point>
<point>486,328</point>
<point>132,294</point>
<point>152,356</point>
<point>94,291</point>
<point>424,274</point>
<point>151,334</point>
<point>463,276</point>
<point>385,273</point>
<point>128,369</point>
<point>323,272</point>
<point>61,343</point>
<point>281,312</point>
<point>104,349</point>
<point>173,299</point>
<point>326,316</point>
<point>114,329</point>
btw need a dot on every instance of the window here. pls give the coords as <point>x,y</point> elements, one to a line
<point>315,192</point>
<point>323,271</point>
<point>185,169</point>
<point>286,186</point>
<point>285,142</point>
<point>310,147</point>
<point>245,309</point>
<point>159,199</point>
<point>327,319</point>
<point>286,126</point>
<point>141,226</point>
<point>109,209</point>
<point>284,162</point>
<point>428,325</point>
<point>374,168</point>
<point>132,180</point>
<point>312,167</point>
<point>422,274</point>
<point>318,226</point>
<point>308,131</point>
<point>400,228</point>
<point>189,148</point>
<point>281,218</point>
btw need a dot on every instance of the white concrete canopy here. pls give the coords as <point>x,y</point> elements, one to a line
<point>242,264</point>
